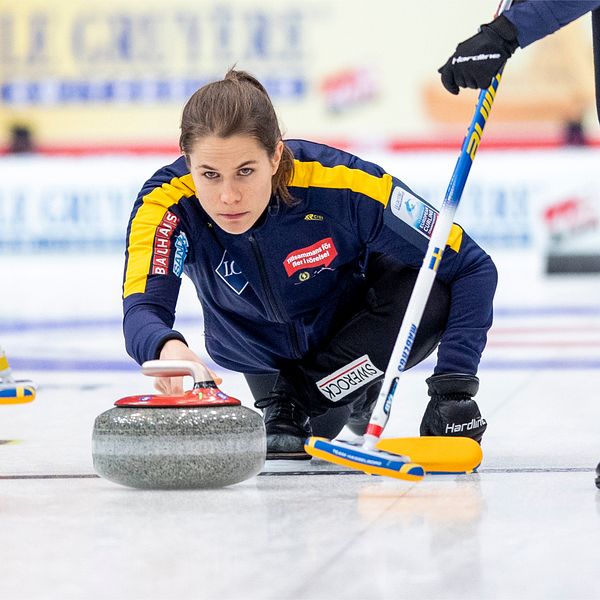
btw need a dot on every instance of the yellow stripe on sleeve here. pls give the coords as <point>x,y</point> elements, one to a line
<point>455,237</point>
<point>314,174</point>
<point>143,228</point>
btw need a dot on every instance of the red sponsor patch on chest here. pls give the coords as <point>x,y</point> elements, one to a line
<point>320,254</point>
<point>162,244</point>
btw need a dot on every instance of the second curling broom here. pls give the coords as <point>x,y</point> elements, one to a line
<point>368,457</point>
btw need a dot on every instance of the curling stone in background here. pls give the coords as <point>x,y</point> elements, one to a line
<point>202,438</point>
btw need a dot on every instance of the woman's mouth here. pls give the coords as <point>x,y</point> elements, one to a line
<point>233,216</point>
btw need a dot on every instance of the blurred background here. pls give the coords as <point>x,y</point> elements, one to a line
<point>91,96</point>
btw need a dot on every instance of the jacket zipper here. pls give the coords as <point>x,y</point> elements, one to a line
<point>273,306</point>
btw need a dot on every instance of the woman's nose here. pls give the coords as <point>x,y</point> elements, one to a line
<point>230,194</point>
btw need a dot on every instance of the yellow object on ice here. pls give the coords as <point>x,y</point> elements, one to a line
<point>14,393</point>
<point>437,454</point>
<point>372,462</point>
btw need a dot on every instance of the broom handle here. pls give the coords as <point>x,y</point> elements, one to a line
<point>433,256</point>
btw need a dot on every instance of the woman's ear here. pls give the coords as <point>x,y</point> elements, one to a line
<point>277,156</point>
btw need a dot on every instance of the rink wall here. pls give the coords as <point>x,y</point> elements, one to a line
<point>533,201</point>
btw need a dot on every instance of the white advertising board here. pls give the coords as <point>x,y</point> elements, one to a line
<point>516,200</point>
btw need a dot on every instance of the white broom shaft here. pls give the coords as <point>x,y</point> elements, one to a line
<point>411,320</point>
<point>427,274</point>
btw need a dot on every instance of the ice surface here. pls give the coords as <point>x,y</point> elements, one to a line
<point>526,526</point>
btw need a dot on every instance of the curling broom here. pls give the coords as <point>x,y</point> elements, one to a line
<point>368,457</point>
<point>13,391</point>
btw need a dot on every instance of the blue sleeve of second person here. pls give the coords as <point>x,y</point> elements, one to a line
<point>535,19</point>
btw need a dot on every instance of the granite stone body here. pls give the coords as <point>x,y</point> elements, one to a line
<point>178,448</point>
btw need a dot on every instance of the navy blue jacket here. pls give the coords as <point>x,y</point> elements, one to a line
<point>270,295</point>
<point>535,19</point>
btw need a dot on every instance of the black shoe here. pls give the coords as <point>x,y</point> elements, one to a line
<point>598,476</point>
<point>287,427</point>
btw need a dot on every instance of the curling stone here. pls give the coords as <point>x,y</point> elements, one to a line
<point>200,439</point>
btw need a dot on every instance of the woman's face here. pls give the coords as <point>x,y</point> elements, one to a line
<point>233,179</point>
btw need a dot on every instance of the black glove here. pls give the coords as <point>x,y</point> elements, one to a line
<point>477,60</point>
<point>452,410</point>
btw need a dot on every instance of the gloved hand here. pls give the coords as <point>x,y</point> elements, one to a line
<point>452,410</point>
<point>477,60</point>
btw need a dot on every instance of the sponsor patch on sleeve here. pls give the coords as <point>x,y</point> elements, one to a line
<point>349,378</point>
<point>413,211</point>
<point>162,244</point>
<point>181,250</point>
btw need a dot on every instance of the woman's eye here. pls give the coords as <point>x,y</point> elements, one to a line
<point>246,171</point>
<point>210,174</point>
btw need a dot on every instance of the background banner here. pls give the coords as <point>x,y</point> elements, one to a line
<point>117,73</point>
<point>532,201</point>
